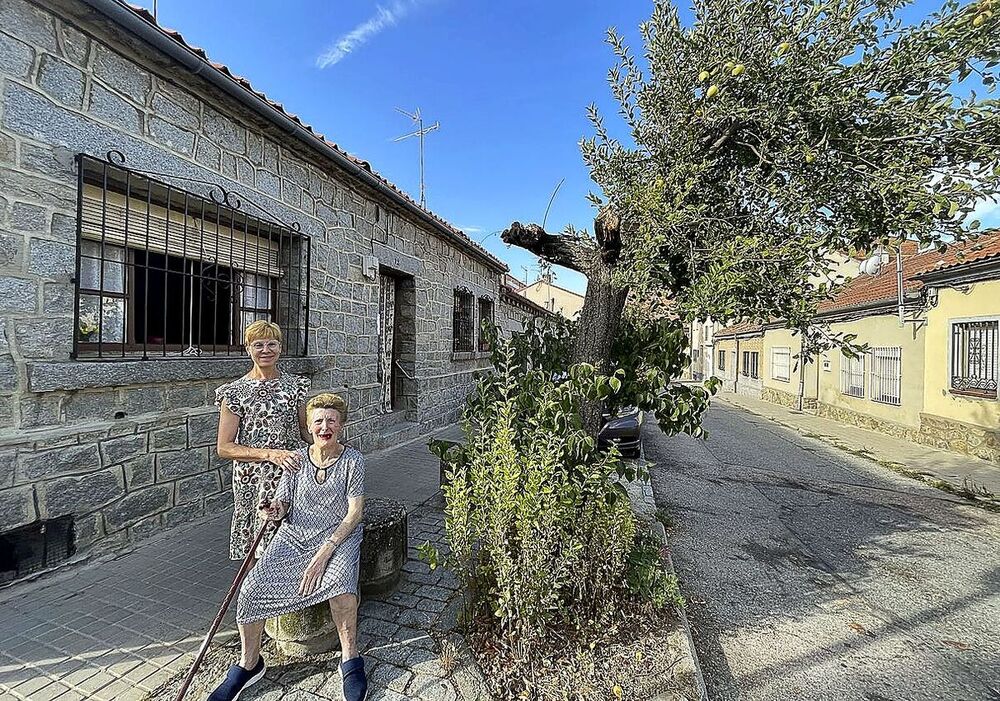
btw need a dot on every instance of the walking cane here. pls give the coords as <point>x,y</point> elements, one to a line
<point>247,561</point>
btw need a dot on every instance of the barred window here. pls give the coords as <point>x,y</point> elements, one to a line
<point>885,374</point>
<point>722,361</point>
<point>781,360</point>
<point>485,320</point>
<point>463,322</point>
<point>852,376</point>
<point>751,365</point>
<point>974,358</point>
<point>162,272</point>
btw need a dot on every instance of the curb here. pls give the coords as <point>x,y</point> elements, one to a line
<point>944,485</point>
<point>641,492</point>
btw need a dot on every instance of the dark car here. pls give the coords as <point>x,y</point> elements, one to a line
<point>624,430</point>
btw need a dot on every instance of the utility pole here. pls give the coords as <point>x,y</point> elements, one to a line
<point>419,133</point>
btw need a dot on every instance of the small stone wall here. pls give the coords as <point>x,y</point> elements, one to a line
<point>949,434</point>
<point>872,423</point>
<point>777,396</point>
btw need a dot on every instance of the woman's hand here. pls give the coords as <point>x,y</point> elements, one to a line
<point>272,511</point>
<point>314,571</point>
<point>287,460</point>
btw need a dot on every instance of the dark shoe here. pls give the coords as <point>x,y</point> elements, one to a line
<point>237,680</point>
<point>355,681</point>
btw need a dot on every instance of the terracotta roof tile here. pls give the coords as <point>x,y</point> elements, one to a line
<point>739,329</point>
<point>865,290</point>
<point>248,86</point>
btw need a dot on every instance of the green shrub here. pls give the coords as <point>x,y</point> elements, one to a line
<point>647,579</point>
<point>538,525</point>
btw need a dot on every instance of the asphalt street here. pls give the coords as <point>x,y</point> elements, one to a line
<point>813,574</point>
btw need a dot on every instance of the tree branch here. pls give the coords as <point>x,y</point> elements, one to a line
<point>574,252</point>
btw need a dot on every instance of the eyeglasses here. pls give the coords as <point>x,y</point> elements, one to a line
<point>265,345</point>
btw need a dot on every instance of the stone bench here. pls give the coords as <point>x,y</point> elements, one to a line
<point>383,553</point>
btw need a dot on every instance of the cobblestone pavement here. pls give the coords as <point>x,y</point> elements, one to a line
<point>119,628</point>
<point>812,574</point>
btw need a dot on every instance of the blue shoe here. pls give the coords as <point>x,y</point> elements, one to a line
<point>237,680</point>
<point>355,680</point>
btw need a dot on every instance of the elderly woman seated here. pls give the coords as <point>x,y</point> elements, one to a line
<point>315,553</point>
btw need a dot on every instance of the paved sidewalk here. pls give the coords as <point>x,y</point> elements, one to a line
<point>118,628</point>
<point>923,460</point>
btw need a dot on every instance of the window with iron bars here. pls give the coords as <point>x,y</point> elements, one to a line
<point>751,365</point>
<point>974,358</point>
<point>722,361</point>
<point>852,376</point>
<point>485,318</point>
<point>886,371</point>
<point>781,361</point>
<point>164,273</point>
<point>463,322</point>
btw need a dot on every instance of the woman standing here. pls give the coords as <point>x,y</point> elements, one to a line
<point>262,422</point>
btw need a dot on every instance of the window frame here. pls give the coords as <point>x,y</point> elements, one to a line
<point>721,360</point>
<point>788,363</point>
<point>877,381</point>
<point>848,374</point>
<point>463,337</point>
<point>193,232</point>
<point>747,356</point>
<point>973,393</point>
<point>482,343</point>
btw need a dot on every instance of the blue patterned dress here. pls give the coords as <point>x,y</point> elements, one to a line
<point>315,511</point>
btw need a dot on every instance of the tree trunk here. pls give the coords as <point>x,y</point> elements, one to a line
<point>598,327</point>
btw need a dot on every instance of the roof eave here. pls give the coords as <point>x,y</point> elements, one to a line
<point>128,20</point>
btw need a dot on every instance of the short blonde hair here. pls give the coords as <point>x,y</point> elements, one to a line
<point>260,330</point>
<point>327,400</point>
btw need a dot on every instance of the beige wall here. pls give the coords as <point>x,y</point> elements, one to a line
<point>780,339</point>
<point>979,301</point>
<point>554,298</point>
<point>877,331</point>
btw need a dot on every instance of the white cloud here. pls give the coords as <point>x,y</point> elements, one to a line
<point>988,213</point>
<point>471,229</point>
<point>384,17</point>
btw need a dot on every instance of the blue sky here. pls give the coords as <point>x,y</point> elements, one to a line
<point>508,81</point>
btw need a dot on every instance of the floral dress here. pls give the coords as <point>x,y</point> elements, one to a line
<point>269,418</point>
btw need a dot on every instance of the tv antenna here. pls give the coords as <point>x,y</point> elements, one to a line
<point>419,133</point>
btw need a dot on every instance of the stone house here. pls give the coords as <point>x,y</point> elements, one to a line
<point>152,204</point>
<point>933,351</point>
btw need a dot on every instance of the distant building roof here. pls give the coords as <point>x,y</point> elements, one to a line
<point>739,330</point>
<point>866,291</point>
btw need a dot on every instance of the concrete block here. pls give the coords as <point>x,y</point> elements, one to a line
<point>116,450</point>
<point>17,507</point>
<point>29,23</point>
<point>137,505</point>
<point>18,295</point>
<point>51,260</point>
<point>75,45</point>
<point>197,487</point>
<point>180,463</point>
<point>83,494</point>
<point>122,75</point>
<point>58,462</point>
<point>171,136</point>
<point>16,57</point>
<point>62,81</point>
<point>113,108</point>
<point>224,131</point>
<point>172,112</point>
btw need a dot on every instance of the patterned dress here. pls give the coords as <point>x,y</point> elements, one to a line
<point>269,418</point>
<point>315,511</point>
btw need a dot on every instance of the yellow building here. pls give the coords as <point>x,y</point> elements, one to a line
<point>553,298</point>
<point>929,372</point>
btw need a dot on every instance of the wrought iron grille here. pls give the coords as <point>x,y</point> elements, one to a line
<point>35,547</point>
<point>852,376</point>
<point>165,273</point>
<point>886,371</point>
<point>751,365</point>
<point>781,361</point>
<point>974,358</point>
<point>485,320</point>
<point>462,322</point>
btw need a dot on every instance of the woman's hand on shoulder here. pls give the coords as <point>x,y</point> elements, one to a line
<point>287,460</point>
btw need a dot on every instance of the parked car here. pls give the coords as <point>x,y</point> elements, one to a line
<point>623,429</point>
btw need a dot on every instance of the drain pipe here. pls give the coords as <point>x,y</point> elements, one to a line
<point>899,286</point>
<point>123,16</point>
